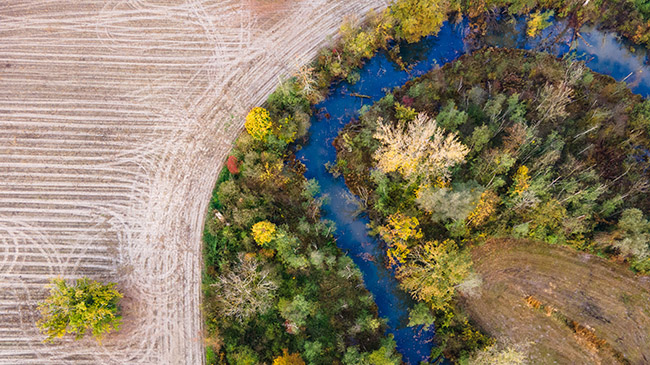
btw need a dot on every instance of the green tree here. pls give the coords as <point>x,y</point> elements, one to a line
<point>636,234</point>
<point>86,305</point>
<point>386,354</point>
<point>450,118</point>
<point>295,312</point>
<point>313,351</point>
<point>420,315</point>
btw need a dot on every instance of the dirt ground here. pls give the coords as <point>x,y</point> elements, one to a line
<point>608,307</point>
<point>115,117</point>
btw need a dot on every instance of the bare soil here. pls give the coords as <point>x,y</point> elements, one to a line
<point>115,117</point>
<point>592,311</point>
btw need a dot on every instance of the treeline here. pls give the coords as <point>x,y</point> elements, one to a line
<point>500,143</point>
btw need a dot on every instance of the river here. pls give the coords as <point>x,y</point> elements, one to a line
<point>603,53</point>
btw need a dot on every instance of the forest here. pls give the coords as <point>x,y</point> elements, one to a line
<point>498,144</point>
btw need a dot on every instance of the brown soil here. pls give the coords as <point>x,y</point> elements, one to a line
<point>565,306</point>
<point>115,117</point>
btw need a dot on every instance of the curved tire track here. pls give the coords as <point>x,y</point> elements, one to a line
<point>112,131</point>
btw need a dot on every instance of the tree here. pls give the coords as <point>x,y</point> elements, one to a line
<point>554,100</point>
<point>538,22</point>
<point>396,233</point>
<point>258,123</point>
<point>484,208</point>
<point>231,164</point>
<point>313,351</point>
<point>433,271</point>
<point>521,181</point>
<point>453,203</point>
<point>264,232</point>
<point>636,234</point>
<point>418,18</point>
<point>86,305</point>
<point>246,290</point>
<point>450,118</point>
<point>386,354</point>
<point>404,114</point>
<point>288,359</point>
<point>420,315</point>
<point>421,150</point>
<point>295,312</point>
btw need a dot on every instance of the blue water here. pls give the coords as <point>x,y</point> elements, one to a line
<point>603,53</point>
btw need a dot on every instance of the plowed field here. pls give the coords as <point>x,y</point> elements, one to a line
<point>115,117</point>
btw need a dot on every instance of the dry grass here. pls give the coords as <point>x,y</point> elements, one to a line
<point>569,307</point>
<point>115,117</point>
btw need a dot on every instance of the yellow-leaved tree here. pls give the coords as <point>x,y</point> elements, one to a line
<point>484,208</point>
<point>433,271</point>
<point>258,123</point>
<point>420,151</point>
<point>418,18</point>
<point>264,232</point>
<point>521,181</point>
<point>75,309</point>
<point>537,22</point>
<point>288,359</point>
<point>397,233</point>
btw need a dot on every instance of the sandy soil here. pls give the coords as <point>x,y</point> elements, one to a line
<point>115,117</point>
<point>601,296</point>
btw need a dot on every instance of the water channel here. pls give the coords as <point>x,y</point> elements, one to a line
<point>603,53</point>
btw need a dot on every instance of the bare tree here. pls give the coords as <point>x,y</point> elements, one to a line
<point>245,290</point>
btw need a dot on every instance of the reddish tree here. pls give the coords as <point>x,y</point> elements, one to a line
<point>231,164</point>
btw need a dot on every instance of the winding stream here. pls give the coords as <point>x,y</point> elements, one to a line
<point>603,53</point>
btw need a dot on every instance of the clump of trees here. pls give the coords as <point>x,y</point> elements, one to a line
<point>85,306</point>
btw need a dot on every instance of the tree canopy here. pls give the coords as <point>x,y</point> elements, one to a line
<point>87,305</point>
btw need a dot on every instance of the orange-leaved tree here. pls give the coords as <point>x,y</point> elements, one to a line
<point>288,359</point>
